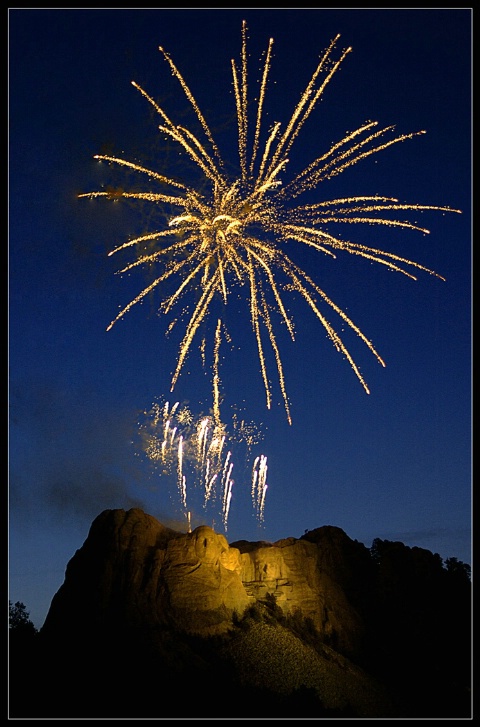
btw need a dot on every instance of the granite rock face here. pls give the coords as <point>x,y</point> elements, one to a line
<point>133,570</point>
<point>292,571</point>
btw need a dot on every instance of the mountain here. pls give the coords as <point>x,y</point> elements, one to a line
<point>151,622</point>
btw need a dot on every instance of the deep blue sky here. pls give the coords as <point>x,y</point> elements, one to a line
<point>395,464</point>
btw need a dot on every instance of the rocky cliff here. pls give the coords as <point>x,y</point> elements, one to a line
<point>319,624</point>
<point>133,570</point>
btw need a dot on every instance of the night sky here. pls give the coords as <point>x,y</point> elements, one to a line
<point>395,464</point>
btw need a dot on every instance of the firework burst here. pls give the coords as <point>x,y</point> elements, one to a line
<point>234,231</point>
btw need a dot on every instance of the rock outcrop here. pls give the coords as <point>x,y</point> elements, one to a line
<point>151,622</point>
<point>133,570</point>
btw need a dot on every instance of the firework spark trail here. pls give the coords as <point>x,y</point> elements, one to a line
<point>259,485</point>
<point>233,231</point>
<point>226,488</point>
<point>226,507</point>
<point>261,100</point>
<point>181,476</point>
<point>216,376</point>
<point>202,439</point>
<point>209,486</point>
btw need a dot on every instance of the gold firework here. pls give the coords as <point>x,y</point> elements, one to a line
<point>235,231</point>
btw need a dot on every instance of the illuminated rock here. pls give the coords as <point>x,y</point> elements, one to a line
<point>134,570</point>
<point>201,582</point>
<point>291,570</point>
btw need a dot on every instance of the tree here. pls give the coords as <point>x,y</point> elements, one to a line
<point>19,619</point>
<point>23,661</point>
<point>458,569</point>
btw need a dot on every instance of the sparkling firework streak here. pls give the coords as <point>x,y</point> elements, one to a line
<point>186,448</point>
<point>233,231</point>
<point>259,485</point>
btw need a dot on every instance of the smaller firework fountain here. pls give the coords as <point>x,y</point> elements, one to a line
<point>197,453</point>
